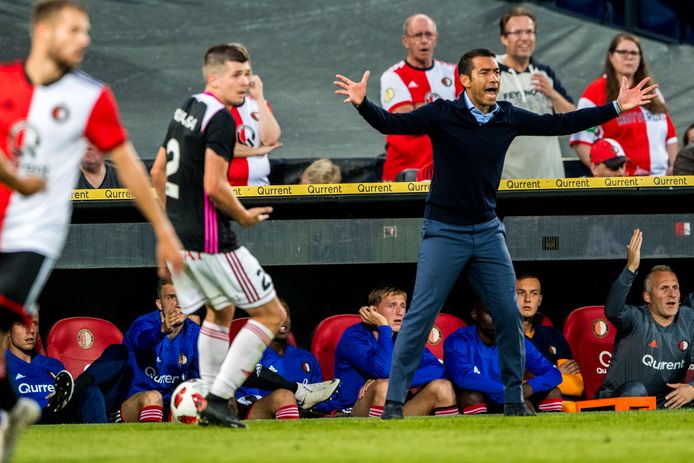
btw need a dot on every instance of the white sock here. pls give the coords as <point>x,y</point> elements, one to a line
<point>245,352</point>
<point>213,345</point>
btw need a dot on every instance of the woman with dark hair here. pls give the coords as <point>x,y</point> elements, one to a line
<point>646,133</point>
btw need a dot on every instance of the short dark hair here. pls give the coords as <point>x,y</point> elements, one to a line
<point>512,13</point>
<point>46,9</point>
<point>379,293</point>
<point>465,63</point>
<point>218,55</point>
<point>685,137</point>
<point>161,283</point>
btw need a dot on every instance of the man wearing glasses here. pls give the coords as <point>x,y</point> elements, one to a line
<point>533,86</point>
<point>409,84</point>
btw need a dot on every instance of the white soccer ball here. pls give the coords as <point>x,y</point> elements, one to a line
<point>185,400</point>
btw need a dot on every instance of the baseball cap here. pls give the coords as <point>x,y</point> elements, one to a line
<point>608,151</point>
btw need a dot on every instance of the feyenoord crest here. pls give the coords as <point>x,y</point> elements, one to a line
<point>60,113</point>
<point>600,328</point>
<point>683,345</point>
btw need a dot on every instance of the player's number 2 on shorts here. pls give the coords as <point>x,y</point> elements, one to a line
<point>173,148</point>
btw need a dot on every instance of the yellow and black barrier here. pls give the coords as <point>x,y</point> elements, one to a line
<point>544,184</point>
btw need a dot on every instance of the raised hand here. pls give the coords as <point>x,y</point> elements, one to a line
<point>256,87</point>
<point>634,251</point>
<point>370,316</point>
<point>354,91</point>
<point>630,98</point>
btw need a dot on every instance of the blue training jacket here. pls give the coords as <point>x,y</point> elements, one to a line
<point>158,363</point>
<point>474,366</point>
<point>359,356</point>
<point>33,380</point>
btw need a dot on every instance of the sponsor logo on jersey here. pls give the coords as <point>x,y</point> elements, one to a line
<point>306,367</point>
<point>246,135</point>
<point>600,328</point>
<point>660,365</point>
<point>85,338</point>
<point>24,139</point>
<point>255,115</point>
<point>182,360</point>
<point>683,345</point>
<point>430,97</point>
<point>25,388</point>
<point>653,343</point>
<point>388,95</point>
<point>412,84</point>
<point>447,81</point>
<point>186,120</point>
<point>60,113</point>
<point>151,373</point>
<point>435,336</point>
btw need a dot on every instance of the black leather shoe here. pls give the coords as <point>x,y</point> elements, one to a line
<point>392,411</point>
<point>517,410</point>
<point>216,412</point>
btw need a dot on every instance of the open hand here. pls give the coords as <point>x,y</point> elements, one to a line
<point>354,91</point>
<point>681,395</point>
<point>255,215</point>
<point>630,98</point>
<point>634,251</point>
<point>370,316</point>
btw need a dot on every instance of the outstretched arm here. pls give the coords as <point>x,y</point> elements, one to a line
<point>355,92</point>
<point>616,309</point>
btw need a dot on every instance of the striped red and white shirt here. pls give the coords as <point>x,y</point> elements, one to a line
<point>251,170</point>
<point>44,130</point>
<point>401,85</point>
<point>644,136</point>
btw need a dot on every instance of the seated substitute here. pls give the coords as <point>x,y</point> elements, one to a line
<point>607,159</point>
<point>34,376</point>
<point>548,340</point>
<point>296,367</point>
<point>653,347</point>
<point>363,357</point>
<point>321,171</point>
<point>471,358</point>
<point>163,353</point>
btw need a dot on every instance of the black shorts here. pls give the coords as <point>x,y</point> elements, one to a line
<point>22,277</point>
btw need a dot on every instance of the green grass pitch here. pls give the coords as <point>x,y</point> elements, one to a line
<point>656,436</point>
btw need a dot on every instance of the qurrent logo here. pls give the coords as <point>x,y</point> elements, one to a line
<point>604,358</point>
<point>25,388</point>
<point>649,361</point>
<point>161,379</point>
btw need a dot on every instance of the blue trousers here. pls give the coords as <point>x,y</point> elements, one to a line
<point>444,253</point>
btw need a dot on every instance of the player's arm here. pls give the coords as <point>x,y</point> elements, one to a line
<point>243,151</point>
<point>133,176</point>
<point>672,150</point>
<point>218,190</point>
<point>24,185</point>
<point>158,173</point>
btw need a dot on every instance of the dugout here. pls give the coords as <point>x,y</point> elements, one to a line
<point>326,246</point>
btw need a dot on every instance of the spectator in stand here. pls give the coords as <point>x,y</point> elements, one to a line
<point>257,133</point>
<point>647,132</point>
<point>34,376</point>
<point>298,368</point>
<point>362,362</point>
<point>471,358</point>
<point>548,340</point>
<point>409,84</point>
<point>607,158</point>
<point>533,86</point>
<point>96,172</point>
<point>163,353</point>
<point>684,162</point>
<point>321,171</point>
<point>653,347</point>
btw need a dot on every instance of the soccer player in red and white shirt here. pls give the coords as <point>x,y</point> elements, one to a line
<point>48,111</point>
<point>409,84</point>
<point>646,133</point>
<point>257,134</point>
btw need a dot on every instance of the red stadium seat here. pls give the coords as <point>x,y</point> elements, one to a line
<point>444,325</point>
<point>78,341</point>
<point>325,339</point>
<point>591,338</point>
<point>328,332</point>
<point>38,347</point>
<point>238,323</point>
